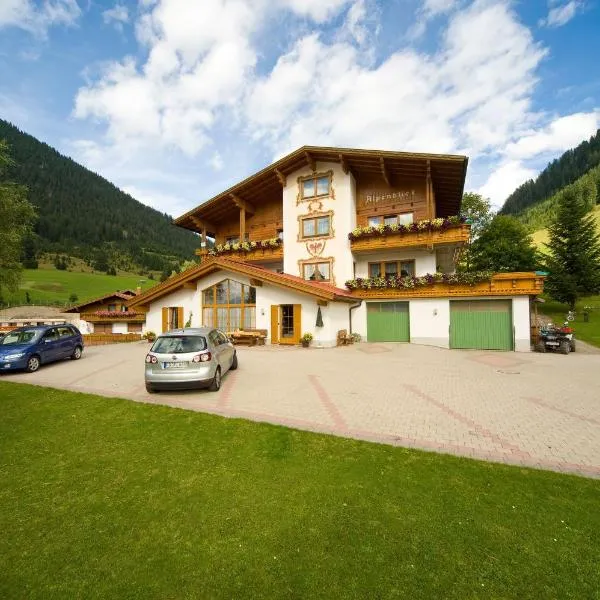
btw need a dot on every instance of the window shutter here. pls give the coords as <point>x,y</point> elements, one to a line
<point>274,323</point>
<point>180,322</point>
<point>297,323</point>
<point>165,319</point>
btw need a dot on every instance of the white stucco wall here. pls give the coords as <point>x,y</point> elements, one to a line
<point>119,327</point>
<point>521,323</point>
<point>430,321</point>
<point>343,221</point>
<point>189,299</point>
<point>335,315</point>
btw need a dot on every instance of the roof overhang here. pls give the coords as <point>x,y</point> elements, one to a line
<point>211,265</point>
<point>448,174</point>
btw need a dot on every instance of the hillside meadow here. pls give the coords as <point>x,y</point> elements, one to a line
<point>540,237</point>
<point>51,286</point>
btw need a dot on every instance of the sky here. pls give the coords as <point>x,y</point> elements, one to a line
<point>176,100</point>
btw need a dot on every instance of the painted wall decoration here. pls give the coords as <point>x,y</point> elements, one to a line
<point>315,248</point>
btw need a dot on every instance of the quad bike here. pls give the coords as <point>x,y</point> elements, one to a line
<point>556,338</point>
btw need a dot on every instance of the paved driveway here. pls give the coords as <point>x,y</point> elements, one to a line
<point>541,410</point>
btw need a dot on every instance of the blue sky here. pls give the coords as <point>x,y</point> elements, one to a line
<point>175,100</point>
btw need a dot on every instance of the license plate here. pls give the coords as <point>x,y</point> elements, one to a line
<point>7,366</point>
<point>552,343</point>
<point>175,365</point>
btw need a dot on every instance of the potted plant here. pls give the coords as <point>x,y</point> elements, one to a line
<point>150,336</point>
<point>306,339</point>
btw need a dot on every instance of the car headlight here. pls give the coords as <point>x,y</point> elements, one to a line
<point>8,357</point>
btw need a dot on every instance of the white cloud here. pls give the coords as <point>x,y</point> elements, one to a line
<point>561,14</point>
<point>118,15</point>
<point>472,95</point>
<point>504,180</point>
<point>553,139</point>
<point>559,135</point>
<point>36,18</point>
<point>216,161</point>
<point>319,11</point>
<point>429,10</point>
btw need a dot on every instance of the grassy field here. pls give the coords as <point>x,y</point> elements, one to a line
<point>106,498</point>
<point>588,332</point>
<point>49,285</point>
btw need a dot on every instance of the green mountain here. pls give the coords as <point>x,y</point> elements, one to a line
<point>84,215</point>
<point>561,172</point>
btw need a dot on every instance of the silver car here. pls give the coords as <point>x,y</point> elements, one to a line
<point>189,358</point>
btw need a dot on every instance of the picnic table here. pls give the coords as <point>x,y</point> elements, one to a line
<point>248,337</point>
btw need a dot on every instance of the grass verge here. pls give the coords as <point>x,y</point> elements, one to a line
<point>587,331</point>
<point>106,498</point>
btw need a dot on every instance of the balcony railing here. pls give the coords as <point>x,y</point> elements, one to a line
<point>424,234</point>
<point>500,284</point>
<point>253,251</point>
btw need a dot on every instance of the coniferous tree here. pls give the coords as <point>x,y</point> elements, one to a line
<point>573,263</point>
<point>17,216</point>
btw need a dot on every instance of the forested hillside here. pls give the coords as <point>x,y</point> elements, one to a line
<point>84,215</point>
<point>561,172</point>
<point>539,216</point>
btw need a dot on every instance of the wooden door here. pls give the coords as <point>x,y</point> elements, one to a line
<point>274,324</point>
<point>290,324</point>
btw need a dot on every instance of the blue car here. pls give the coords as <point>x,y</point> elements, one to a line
<point>29,347</point>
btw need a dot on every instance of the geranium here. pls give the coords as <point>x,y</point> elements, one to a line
<point>398,282</point>
<point>114,314</point>
<point>246,246</point>
<point>438,224</point>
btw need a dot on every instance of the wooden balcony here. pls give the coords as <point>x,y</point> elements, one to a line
<point>257,255</point>
<point>501,284</point>
<point>118,317</point>
<point>458,234</point>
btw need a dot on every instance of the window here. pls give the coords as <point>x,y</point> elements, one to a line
<point>229,305</point>
<point>280,234</point>
<point>112,307</point>
<point>316,226</point>
<point>406,218</point>
<point>404,268</point>
<point>123,308</point>
<point>65,332</point>
<point>313,187</point>
<point>173,319</point>
<point>233,239</point>
<point>402,219</point>
<point>316,271</point>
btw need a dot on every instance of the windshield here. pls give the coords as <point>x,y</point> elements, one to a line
<point>179,344</point>
<point>22,336</point>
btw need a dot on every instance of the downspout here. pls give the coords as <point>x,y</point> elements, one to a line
<point>350,313</point>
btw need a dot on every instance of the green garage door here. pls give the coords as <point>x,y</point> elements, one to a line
<point>481,324</point>
<point>387,322</point>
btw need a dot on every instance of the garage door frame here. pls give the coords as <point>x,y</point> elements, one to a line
<point>482,325</point>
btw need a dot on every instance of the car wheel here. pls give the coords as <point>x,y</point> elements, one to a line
<point>33,364</point>
<point>76,353</point>
<point>150,389</point>
<point>234,362</point>
<point>215,386</point>
<point>564,347</point>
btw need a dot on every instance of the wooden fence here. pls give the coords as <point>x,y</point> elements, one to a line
<point>101,339</point>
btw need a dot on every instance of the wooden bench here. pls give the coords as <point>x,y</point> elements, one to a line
<point>248,337</point>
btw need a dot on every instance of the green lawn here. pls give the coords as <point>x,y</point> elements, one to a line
<point>54,286</point>
<point>105,498</point>
<point>588,332</point>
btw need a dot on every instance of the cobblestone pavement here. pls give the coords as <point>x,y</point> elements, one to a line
<point>539,410</point>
